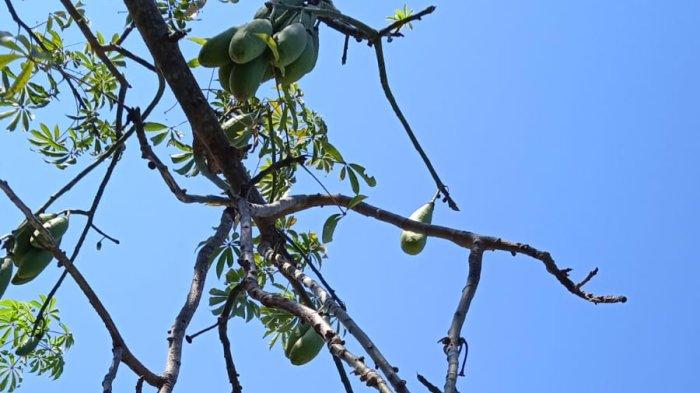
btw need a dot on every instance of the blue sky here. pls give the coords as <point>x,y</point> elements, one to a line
<point>572,126</point>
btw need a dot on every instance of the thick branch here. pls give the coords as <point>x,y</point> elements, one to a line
<point>182,321</point>
<point>453,342</point>
<point>128,358</point>
<point>464,239</point>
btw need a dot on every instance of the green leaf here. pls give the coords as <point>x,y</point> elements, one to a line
<point>198,40</point>
<point>353,181</point>
<point>193,63</point>
<point>356,201</point>
<point>8,58</point>
<point>370,180</point>
<point>333,152</point>
<point>22,79</point>
<point>152,127</point>
<point>329,227</point>
<point>159,138</point>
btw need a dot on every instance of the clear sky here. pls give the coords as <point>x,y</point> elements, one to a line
<point>570,125</point>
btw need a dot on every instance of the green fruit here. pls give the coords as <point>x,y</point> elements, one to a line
<point>262,12</point>
<point>29,346</point>
<point>296,334</point>
<point>305,348</point>
<point>31,265</point>
<point>22,236</point>
<point>291,42</point>
<point>245,44</point>
<point>246,78</point>
<point>413,243</point>
<point>5,274</point>
<point>304,64</point>
<point>56,226</point>
<point>225,75</point>
<point>269,73</point>
<point>307,19</point>
<point>214,53</point>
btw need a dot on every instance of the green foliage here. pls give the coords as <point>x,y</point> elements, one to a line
<point>36,72</point>
<point>36,69</point>
<point>401,14</point>
<point>16,325</point>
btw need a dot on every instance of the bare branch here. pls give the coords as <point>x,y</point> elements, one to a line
<point>384,79</point>
<point>106,236</point>
<point>396,26</point>
<point>464,239</point>
<point>180,193</point>
<point>342,373</point>
<point>128,358</point>
<point>112,372</point>
<point>431,388</point>
<point>453,341</point>
<point>184,317</point>
<point>223,337</point>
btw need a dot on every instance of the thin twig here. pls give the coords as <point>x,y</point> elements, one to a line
<point>289,161</point>
<point>233,375</point>
<point>190,337</point>
<point>396,26</point>
<point>180,193</point>
<point>453,341</point>
<point>384,79</point>
<point>106,236</point>
<point>431,388</point>
<point>94,43</point>
<point>316,271</point>
<point>342,373</point>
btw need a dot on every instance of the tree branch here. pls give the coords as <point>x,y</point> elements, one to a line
<point>431,388</point>
<point>464,239</point>
<point>112,372</point>
<point>342,373</point>
<point>453,341</point>
<point>184,317</point>
<point>306,314</point>
<point>283,264</point>
<point>180,193</point>
<point>94,44</point>
<point>223,337</point>
<point>128,358</point>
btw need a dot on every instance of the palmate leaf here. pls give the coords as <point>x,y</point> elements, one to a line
<point>16,323</point>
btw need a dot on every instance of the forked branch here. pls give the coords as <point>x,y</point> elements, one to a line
<point>296,203</point>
